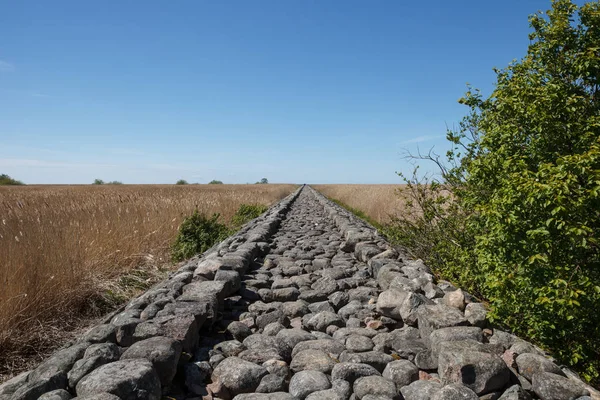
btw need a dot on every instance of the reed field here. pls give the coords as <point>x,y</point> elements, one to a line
<point>378,201</point>
<point>66,250</point>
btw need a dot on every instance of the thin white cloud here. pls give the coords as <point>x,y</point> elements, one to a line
<point>421,139</point>
<point>33,163</point>
<point>39,95</point>
<point>6,66</point>
<point>125,151</point>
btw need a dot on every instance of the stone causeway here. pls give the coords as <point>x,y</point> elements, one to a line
<point>305,302</point>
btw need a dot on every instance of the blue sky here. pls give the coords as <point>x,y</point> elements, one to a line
<point>295,91</point>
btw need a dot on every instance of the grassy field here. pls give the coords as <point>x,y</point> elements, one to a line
<point>376,201</point>
<point>67,249</point>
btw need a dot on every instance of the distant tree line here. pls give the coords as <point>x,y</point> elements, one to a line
<point>7,180</point>
<point>101,182</point>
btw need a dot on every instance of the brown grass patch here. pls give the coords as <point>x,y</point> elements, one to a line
<point>377,201</point>
<point>72,252</point>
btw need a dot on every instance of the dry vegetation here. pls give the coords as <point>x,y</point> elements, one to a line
<point>377,201</point>
<point>67,250</point>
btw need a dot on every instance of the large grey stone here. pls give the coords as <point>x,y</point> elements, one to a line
<point>63,360</point>
<point>420,390</point>
<point>238,375</point>
<point>13,384</point>
<point>476,314</point>
<point>401,372</point>
<point>163,352</point>
<point>294,336</point>
<point>431,318</point>
<point>549,386</point>
<point>515,392</point>
<point>306,382</point>
<point>375,359</point>
<point>95,356</point>
<point>454,333</point>
<point>312,359</point>
<point>45,382</point>
<point>455,391</point>
<point>529,364</point>
<point>375,385</point>
<point>323,319</point>
<point>128,379</point>
<point>350,371</point>
<point>265,396</point>
<point>482,372</point>
<point>329,346</point>
<point>60,394</point>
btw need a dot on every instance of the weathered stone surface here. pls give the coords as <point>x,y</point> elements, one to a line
<point>271,383</point>
<point>549,386</point>
<point>101,333</point>
<point>329,346</point>
<point>455,391</point>
<point>515,392</point>
<point>306,382</point>
<point>238,330</point>
<point>95,356</point>
<point>312,359</point>
<point>324,319</point>
<point>44,383</point>
<point>162,352</point>
<point>375,359</point>
<point>265,396</point>
<point>529,364</point>
<point>59,394</point>
<point>420,390</point>
<point>481,372</point>
<point>61,361</point>
<point>351,371</point>
<point>238,376</point>
<point>359,343</point>
<point>128,379</point>
<point>476,314</point>
<point>452,334</point>
<point>455,299</point>
<point>375,385</point>
<point>439,316</point>
<point>401,372</point>
<point>11,385</point>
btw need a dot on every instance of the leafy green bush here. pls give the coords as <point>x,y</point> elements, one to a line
<point>246,213</point>
<point>516,215</point>
<point>215,182</point>
<point>7,180</point>
<point>114,183</point>
<point>181,182</point>
<point>98,182</point>
<point>197,234</point>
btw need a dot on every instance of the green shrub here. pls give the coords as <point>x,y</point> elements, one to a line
<point>181,182</point>
<point>516,215</point>
<point>98,182</point>
<point>246,213</point>
<point>215,182</point>
<point>7,180</point>
<point>197,234</point>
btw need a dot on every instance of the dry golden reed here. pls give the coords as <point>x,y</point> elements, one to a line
<point>377,201</point>
<point>58,244</point>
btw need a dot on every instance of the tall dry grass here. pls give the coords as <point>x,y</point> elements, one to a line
<point>379,202</point>
<point>62,245</point>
